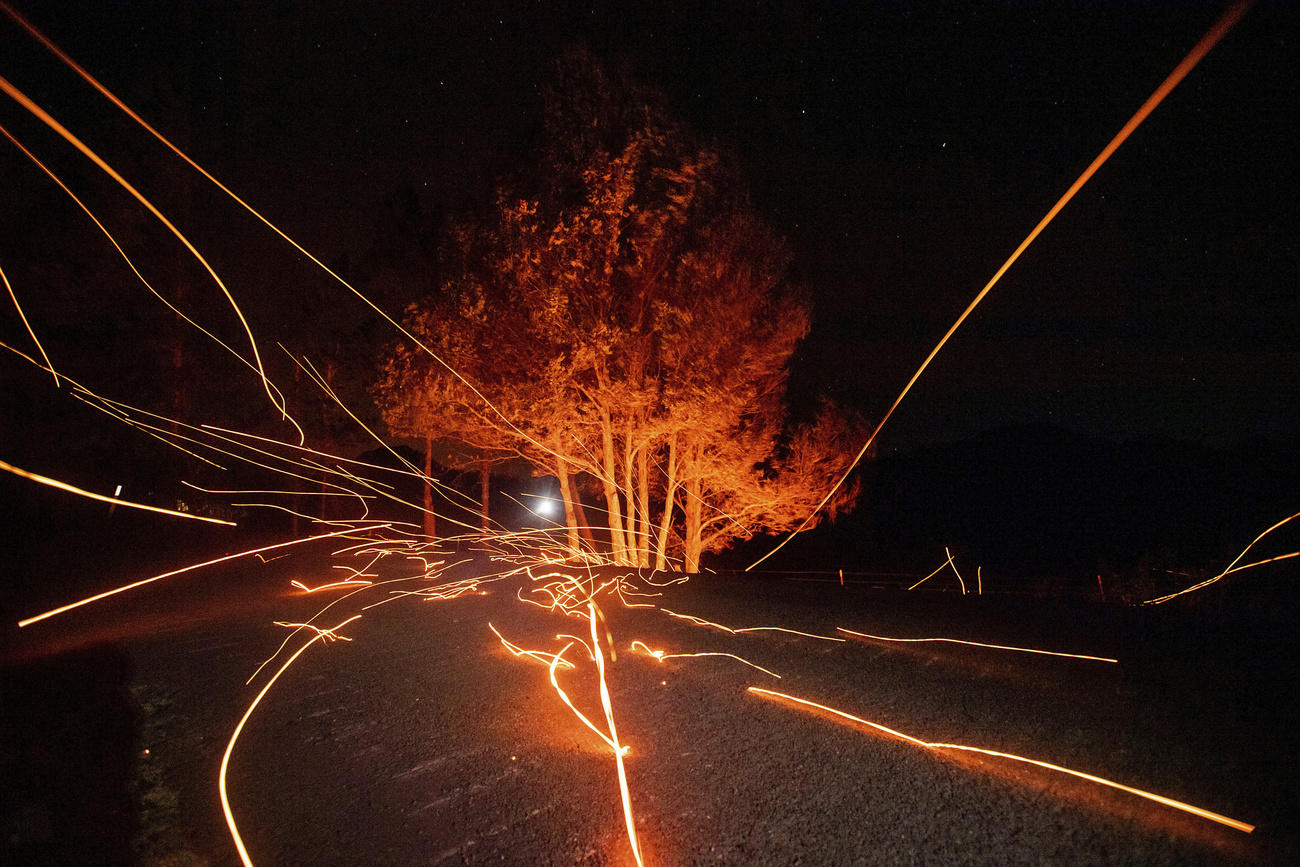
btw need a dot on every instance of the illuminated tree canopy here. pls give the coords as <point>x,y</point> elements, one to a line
<point>623,321</point>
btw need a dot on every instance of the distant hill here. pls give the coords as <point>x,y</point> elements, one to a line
<point>1038,500</point>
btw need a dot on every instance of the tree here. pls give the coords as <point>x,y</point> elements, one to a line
<point>624,317</point>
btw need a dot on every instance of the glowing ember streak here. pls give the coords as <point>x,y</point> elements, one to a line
<point>328,634</point>
<point>564,696</point>
<point>1233,567</point>
<point>979,644</point>
<point>791,631</point>
<point>610,738</point>
<point>298,627</point>
<point>960,580</point>
<point>1159,799</point>
<point>23,316</point>
<point>662,655</point>
<point>1208,41</point>
<point>547,659</point>
<point>64,486</point>
<point>124,588</point>
<point>334,586</point>
<point>613,733</point>
<point>700,621</point>
<point>947,562</point>
<point>230,747</point>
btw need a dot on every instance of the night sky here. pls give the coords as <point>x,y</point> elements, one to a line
<point>905,149</point>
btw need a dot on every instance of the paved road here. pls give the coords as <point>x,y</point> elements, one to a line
<point>424,741</point>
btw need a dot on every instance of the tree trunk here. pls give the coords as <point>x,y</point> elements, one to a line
<point>633,538</point>
<point>693,508</point>
<point>484,490</point>
<point>608,477</point>
<point>584,526</point>
<point>566,493</point>
<point>643,489</point>
<point>430,520</point>
<point>666,520</point>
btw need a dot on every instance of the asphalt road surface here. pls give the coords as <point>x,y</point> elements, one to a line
<point>423,740</point>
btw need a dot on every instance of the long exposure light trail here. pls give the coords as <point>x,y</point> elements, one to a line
<point>23,316</point>
<point>613,734</point>
<point>662,655</point>
<point>709,624</point>
<point>333,585</point>
<point>1151,796</point>
<point>107,593</point>
<point>947,562</point>
<point>547,659</point>
<point>321,634</point>
<point>1233,567</point>
<point>1216,32</point>
<point>104,498</point>
<point>977,644</point>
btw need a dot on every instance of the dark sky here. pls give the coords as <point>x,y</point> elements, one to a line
<point>905,149</point>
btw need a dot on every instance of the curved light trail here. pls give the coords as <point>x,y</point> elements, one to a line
<point>1141,793</point>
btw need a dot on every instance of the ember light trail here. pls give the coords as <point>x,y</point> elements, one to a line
<point>321,634</point>
<point>1159,799</point>
<point>103,498</point>
<point>979,644</point>
<point>135,584</point>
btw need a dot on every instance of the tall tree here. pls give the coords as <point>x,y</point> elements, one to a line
<point>624,317</point>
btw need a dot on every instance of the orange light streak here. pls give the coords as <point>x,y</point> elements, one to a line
<point>23,316</point>
<point>791,631</point>
<point>328,634</point>
<point>947,562</point>
<point>1188,63</point>
<point>662,655</point>
<point>1233,567</point>
<point>103,498</point>
<point>960,580</point>
<point>980,644</point>
<point>547,659</point>
<point>230,747</point>
<point>553,663</point>
<point>699,621</point>
<point>564,696</point>
<point>1151,796</point>
<point>613,733</point>
<point>309,625</point>
<point>351,582</point>
<point>97,597</point>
